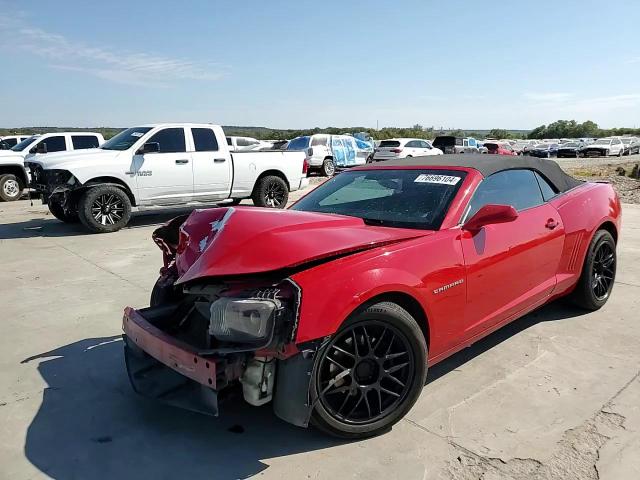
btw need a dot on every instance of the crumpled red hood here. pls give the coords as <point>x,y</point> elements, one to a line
<point>244,240</point>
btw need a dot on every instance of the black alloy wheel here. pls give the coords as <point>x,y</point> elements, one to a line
<point>370,374</point>
<point>271,191</point>
<point>603,271</point>
<point>104,208</point>
<point>107,209</point>
<point>275,195</point>
<point>596,281</point>
<point>365,372</point>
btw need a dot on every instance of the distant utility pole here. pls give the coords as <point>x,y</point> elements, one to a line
<point>377,125</point>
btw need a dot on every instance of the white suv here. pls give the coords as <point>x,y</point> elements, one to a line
<point>14,177</point>
<point>403,148</point>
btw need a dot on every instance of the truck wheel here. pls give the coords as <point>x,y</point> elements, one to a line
<point>328,168</point>
<point>598,273</point>
<point>10,188</point>
<point>370,374</point>
<point>57,211</point>
<point>270,191</point>
<point>104,209</point>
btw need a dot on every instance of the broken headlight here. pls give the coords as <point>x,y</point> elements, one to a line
<point>244,320</point>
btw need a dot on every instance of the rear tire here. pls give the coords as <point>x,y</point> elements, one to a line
<point>328,168</point>
<point>271,192</point>
<point>377,367</point>
<point>10,188</point>
<point>598,273</point>
<point>104,209</point>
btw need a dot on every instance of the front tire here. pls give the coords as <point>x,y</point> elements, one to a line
<point>370,374</point>
<point>104,209</point>
<point>59,212</point>
<point>10,188</point>
<point>598,273</point>
<point>271,191</point>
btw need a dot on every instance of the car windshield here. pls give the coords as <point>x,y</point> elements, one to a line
<point>23,144</point>
<point>603,141</point>
<point>627,141</point>
<point>125,139</point>
<point>390,198</point>
<point>542,146</point>
<point>389,144</point>
<point>570,145</point>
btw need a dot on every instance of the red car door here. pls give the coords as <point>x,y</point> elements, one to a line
<point>510,267</point>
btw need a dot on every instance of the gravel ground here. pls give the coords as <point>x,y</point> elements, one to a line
<point>604,169</point>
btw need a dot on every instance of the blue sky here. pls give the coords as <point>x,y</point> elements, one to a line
<point>297,64</point>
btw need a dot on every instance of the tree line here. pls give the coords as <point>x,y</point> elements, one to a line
<point>557,129</point>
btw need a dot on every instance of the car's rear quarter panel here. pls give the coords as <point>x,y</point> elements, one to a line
<point>583,210</point>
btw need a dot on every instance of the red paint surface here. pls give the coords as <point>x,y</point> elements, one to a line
<point>500,272</point>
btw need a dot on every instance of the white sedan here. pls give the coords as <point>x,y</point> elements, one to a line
<point>403,148</point>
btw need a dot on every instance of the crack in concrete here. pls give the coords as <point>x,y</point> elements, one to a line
<point>576,455</point>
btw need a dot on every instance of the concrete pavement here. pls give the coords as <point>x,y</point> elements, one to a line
<point>555,395</point>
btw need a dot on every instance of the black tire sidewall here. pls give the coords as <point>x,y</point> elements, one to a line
<point>57,211</point>
<point>583,294</point>
<point>87,199</point>
<point>402,321</point>
<point>260,191</point>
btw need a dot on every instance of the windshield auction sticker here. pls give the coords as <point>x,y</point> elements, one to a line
<point>441,179</point>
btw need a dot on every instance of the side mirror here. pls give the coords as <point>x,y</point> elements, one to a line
<point>149,147</point>
<point>490,214</point>
<point>41,147</point>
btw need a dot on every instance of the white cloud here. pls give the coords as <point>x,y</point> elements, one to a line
<point>132,68</point>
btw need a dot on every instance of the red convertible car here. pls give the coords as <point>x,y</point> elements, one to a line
<point>333,309</point>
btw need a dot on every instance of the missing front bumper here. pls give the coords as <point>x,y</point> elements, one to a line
<point>163,368</point>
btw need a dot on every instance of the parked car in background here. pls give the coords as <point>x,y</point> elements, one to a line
<point>450,144</point>
<point>9,141</point>
<point>158,166</point>
<point>544,150</point>
<point>569,150</point>
<point>499,148</point>
<point>481,147</point>
<point>631,145</point>
<point>519,146</point>
<point>325,152</point>
<point>340,305</point>
<point>603,147</point>
<point>14,178</point>
<point>238,144</point>
<point>403,148</point>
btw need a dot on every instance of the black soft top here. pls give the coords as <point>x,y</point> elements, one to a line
<point>488,164</point>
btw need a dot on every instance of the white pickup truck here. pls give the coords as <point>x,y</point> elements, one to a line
<point>161,165</point>
<point>13,176</point>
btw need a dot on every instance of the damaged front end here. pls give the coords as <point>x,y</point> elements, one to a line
<point>201,341</point>
<point>53,185</point>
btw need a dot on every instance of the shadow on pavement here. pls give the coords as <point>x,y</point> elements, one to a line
<point>92,425</point>
<point>52,227</point>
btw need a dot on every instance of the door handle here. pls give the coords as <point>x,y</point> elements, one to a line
<point>551,224</point>
<point>219,160</point>
<point>182,161</point>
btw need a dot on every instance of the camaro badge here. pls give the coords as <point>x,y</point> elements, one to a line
<point>448,286</point>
